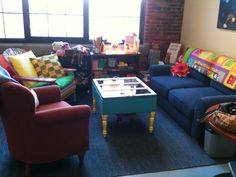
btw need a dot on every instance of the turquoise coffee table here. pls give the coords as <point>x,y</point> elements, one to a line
<point>121,96</point>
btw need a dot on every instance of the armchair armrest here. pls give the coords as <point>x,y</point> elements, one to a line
<point>157,70</point>
<point>26,78</point>
<point>45,98</point>
<point>67,70</point>
<point>63,114</point>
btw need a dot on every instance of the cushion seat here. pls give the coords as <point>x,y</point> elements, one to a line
<point>163,84</point>
<point>185,99</point>
<point>56,105</point>
<point>62,82</point>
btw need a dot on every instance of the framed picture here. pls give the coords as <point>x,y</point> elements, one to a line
<point>227,15</point>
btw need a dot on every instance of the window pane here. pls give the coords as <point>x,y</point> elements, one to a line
<point>0,6</point>
<point>57,25</point>
<point>113,29</point>
<point>36,6</point>
<point>114,19</point>
<point>74,26</point>
<point>74,7</point>
<point>56,7</point>
<point>11,20</point>
<point>2,28</point>
<point>38,25</point>
<point>12,6</point>
<point>115,8</point>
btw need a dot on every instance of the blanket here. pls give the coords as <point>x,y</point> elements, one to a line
<point>5,76</point>
<point>218,67</point>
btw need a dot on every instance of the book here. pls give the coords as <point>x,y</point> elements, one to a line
<point>95,65</point>
<point>173,53</point>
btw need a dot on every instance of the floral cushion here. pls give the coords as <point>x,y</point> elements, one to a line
<point>180,69</point>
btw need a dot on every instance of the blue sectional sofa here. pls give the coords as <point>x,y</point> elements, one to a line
<point>187,98</point>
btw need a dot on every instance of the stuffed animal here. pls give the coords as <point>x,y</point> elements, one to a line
<point>59,47</point>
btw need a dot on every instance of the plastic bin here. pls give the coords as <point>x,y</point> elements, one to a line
<point>217,145</point>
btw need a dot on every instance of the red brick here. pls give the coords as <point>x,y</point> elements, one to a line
<point>163,21</point>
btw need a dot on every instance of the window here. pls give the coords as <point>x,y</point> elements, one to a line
<point>64,19</point>
<point>68,20</point>
<point>114,19</point>
<point>10,17</point>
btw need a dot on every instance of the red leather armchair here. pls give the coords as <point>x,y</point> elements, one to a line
<point>52,131</point>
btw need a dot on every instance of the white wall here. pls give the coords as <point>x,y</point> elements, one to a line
<point>200,30</point>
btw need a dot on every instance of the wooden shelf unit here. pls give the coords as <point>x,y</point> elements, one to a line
<point>114,64</point>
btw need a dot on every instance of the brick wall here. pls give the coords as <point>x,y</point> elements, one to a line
<point>163,21</point>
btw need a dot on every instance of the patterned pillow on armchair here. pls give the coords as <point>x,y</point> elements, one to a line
<point>48,66</point>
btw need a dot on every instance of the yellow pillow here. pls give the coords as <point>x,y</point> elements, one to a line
<point>23,66</point>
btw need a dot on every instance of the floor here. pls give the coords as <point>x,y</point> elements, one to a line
<point>205,171</point>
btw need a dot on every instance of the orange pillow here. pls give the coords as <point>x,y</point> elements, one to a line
<point>5,65</point>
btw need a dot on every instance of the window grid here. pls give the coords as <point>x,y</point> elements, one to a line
<point>85,31</point>
<point>5,15</point>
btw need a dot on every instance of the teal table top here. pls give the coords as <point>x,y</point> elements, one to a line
<point>123,95</point>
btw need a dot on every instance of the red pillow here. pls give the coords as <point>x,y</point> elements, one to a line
<point>180,69</point>
<point>5,65</point>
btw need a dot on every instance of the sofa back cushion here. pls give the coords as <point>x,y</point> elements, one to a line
<point>222,88</point>
<point>199,76</point>
<point>217,67</point>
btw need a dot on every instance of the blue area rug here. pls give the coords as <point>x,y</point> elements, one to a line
<point>129,149</point>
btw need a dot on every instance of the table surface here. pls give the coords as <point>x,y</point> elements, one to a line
<point>122,87</point>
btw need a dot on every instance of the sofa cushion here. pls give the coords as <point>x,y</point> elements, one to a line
<point>222,88</point>
<point>185,99</point>
<point>163,84</point>
<point>64,81</point>
<point>199,76</point>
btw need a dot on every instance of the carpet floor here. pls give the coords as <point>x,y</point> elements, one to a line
<point>129,149</point>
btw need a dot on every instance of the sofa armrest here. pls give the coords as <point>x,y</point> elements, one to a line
<point>157,70</point>
<point>209,101</point>
<point>63,114</point>
<point>48,94</point>
<point>197,130</point>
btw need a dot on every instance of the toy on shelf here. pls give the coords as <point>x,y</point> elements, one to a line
<point>173,53</point>
<point>131,44</point>
<point>98,45</point>
<point>154,53</point>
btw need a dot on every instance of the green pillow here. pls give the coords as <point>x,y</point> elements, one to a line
<point>64,81</point>
<point>40,84</point>
<point>187,54</point>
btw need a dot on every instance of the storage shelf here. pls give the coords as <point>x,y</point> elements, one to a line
<point>114,64</point>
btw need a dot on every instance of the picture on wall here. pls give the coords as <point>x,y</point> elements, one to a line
<point>227,15</point>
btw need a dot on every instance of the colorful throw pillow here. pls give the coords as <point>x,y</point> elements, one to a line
<point>23,66</point>
<point>180,69</point>
<point>6,65</point>
<point>47,66</point>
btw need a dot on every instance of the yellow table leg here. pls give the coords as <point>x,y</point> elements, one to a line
<point>94,105</point>
<point>104,125</point>
<point>151,123</point>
